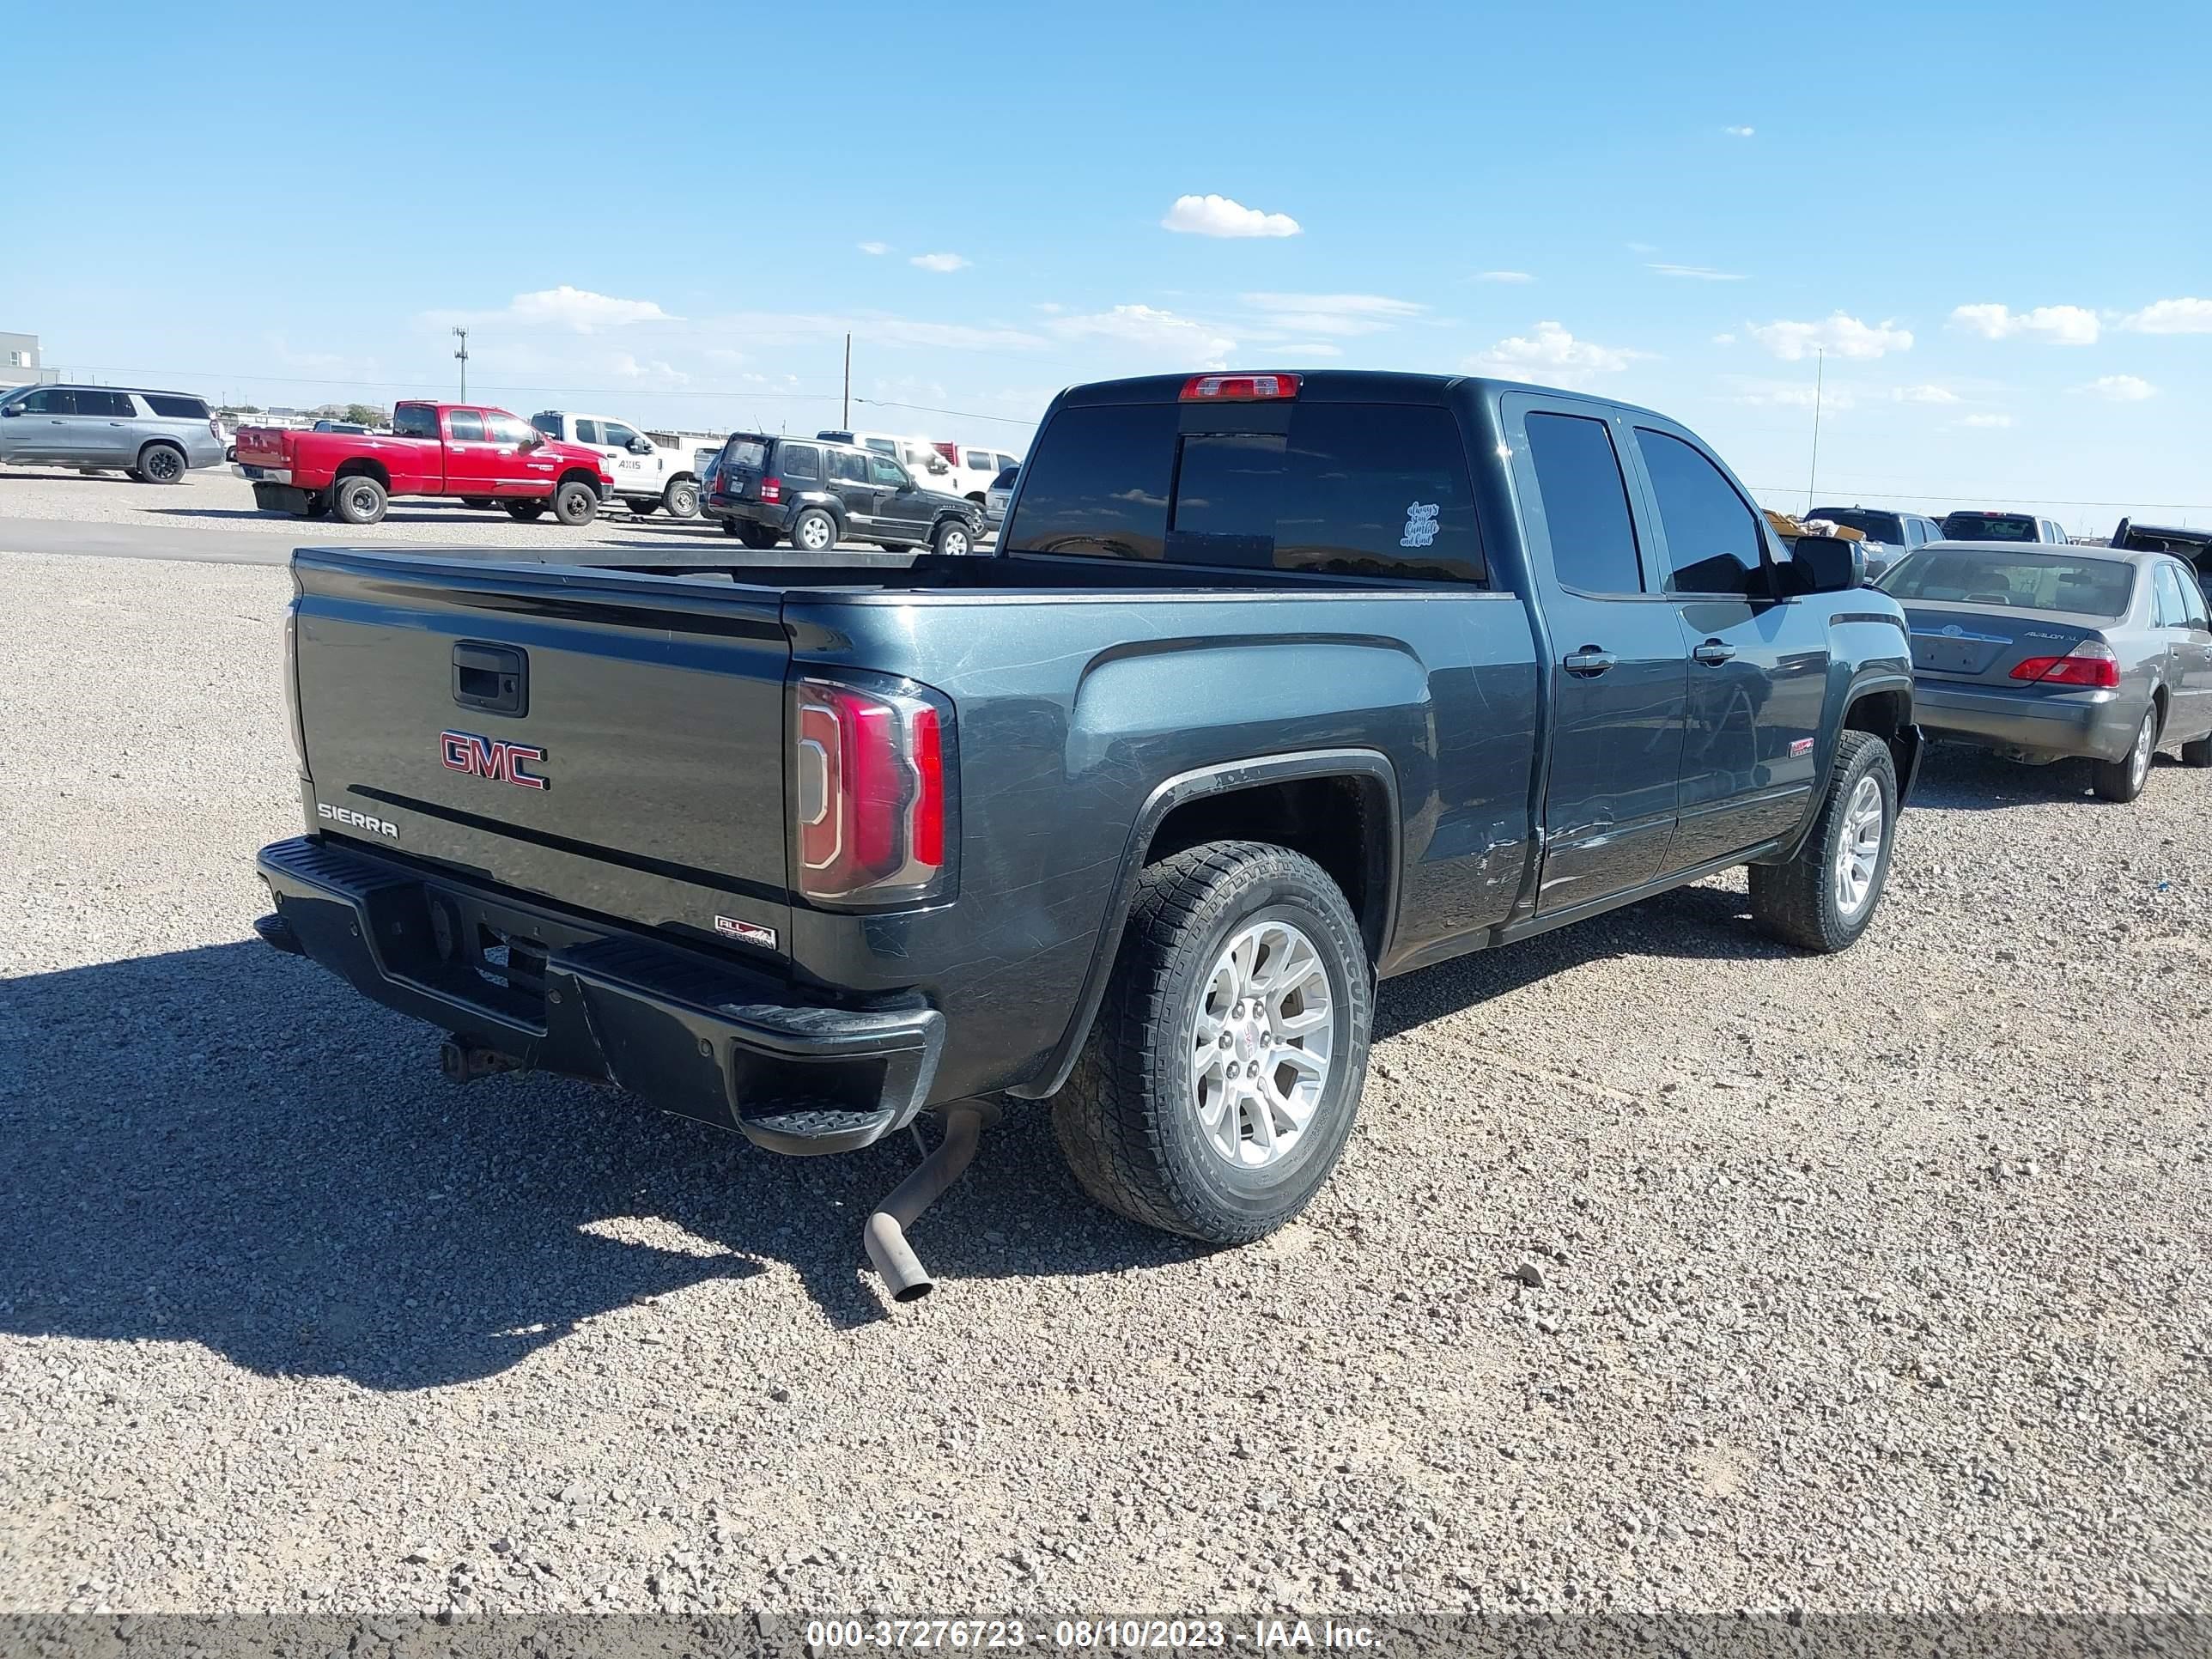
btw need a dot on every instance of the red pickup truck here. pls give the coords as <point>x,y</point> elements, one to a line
<point>485,456</point>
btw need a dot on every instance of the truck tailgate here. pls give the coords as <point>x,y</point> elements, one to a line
<point>611,742</point>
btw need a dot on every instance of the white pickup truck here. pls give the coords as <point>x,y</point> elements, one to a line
<point>648,475</point>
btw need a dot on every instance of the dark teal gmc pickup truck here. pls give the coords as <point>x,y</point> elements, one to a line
<point>1280,683</point>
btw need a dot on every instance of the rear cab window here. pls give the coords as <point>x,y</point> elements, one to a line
<point>1989,528</point>
<point>1350,489</point>
<point>415,420</point>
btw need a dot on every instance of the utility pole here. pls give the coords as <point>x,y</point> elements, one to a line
<point>462,335</point>
<point>847,422</point>
<point>1813,479</point>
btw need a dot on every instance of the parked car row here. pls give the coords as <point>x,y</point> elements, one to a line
<point>817,492</point>
<point>156,437</point>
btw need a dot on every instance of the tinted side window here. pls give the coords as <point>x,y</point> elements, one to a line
<point>587,432</point>
<point>1585,504</point>
<point>115,405</point>
<point>415,420</point>
<point>2192,597</point>
<point>848,466</point>
<point>468,426</point>
<point>1713,542</point>
<point>1369,490</point>
<point>800,462</point>
<point>1098,484</point>
<point>882,469</point>
<point>176,408</point>
<point>1005,461</point>
<point>52,400</point>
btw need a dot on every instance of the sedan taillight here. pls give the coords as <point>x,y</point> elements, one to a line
<point>871,799</point>
<point>2091,663</point>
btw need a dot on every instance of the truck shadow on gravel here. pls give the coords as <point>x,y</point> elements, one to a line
<point>227,1146</point>
<point>1956,777</point>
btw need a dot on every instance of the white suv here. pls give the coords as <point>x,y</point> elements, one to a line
<point>648,475</point>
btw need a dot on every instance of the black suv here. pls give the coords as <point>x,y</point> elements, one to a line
<point>819,493</point>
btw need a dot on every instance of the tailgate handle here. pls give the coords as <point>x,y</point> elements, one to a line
<point>494,679</point>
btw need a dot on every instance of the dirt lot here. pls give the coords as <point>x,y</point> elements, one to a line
<point>1877,1281</point>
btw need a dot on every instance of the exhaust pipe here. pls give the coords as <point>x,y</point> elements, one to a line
<point>885,1233</point>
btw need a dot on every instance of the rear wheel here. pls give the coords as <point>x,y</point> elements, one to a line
<point>2197,751</point>
<point>574,504</point>
<point>641,506</point>
<point>2123,779</point>
<point>758,537</point>
<point>525,512</point>
<point>1823,898</point>
<point>358,499</point>
<point>161,464</point>
<point>681,499</point>
<point>1224,1070</point>
<point>732,527</point>
<point>813,532</point>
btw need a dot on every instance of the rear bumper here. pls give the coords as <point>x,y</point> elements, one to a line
<point>2059,725</point>
<point>682,1031</point>
<point>775,516</point>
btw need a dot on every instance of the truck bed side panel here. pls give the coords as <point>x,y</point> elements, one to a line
<point>1072,710</point>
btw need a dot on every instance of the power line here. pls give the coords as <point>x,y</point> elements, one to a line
<point>932,409</point>
<point>1983,496</point>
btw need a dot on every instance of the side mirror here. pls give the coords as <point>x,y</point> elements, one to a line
<point>10,409</point>
<point>1823,564</point>
<point>640,447</point>
<point>938,464</point>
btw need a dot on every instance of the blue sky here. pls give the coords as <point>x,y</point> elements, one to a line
<point>1994,218</point>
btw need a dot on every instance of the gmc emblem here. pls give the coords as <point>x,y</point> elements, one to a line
<point>494,758</point>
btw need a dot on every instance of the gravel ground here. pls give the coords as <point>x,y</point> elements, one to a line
<point>1874,1282</point>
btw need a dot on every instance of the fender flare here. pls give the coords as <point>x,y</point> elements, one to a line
<point>1222,777</point>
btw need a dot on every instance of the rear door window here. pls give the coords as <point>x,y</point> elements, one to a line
<point>799,463</point>
<point>587,432</point>
<point>1585,504</point>
<point>1713,541</point>
<point>466,425</point>
<point>2165,587</point>
<point>172,408</point>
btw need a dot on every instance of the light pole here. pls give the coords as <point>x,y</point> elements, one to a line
<point>1813,475</point>
<point>462,335</point>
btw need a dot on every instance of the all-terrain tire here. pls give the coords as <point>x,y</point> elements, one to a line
<point>1801,902</point>
<point>681,498</point>
<point>576,504</point>
<point>1127,1120</point>
<point>525,512</point>
<point>643,507</point>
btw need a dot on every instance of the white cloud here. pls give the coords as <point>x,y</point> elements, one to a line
<point>1217,216</point>
<point>1740,132</point>
<point>940,262</point>
<point>1642,247</point>
<point>1993,421</point>
<point>654,371</point>
<point>874,249</point>
<point>1723,339</point>
<point>2172,317</point>
<point>1304,349</point>
<point>1924,394</point>
<point>1161,334</point>
<point>1701,273</point>
<point>1504,277</point>
<point>2119,388</point>
<point>1841,335</point>
<point>577,309</point>
<point>1346,314</point>
<point>2053,324</point>
<point>1794,394</point>
<point>1548,352</point>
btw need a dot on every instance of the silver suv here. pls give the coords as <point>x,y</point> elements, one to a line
<point>154,436</point>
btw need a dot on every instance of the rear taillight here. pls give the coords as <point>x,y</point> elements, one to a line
<point>871,796</point>
<point>771,490</point>
<point>2090,663</point>
<point>1238,388</point>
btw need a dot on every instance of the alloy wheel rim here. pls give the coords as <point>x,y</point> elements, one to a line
<point>813,536</point>
<point>162,464</point>
<point>955,542</point>
<point>1858,850</point>
<point>1262,1044</point>
<point>2146,742</point>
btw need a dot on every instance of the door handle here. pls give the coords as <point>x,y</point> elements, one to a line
<point>1589,662</point>
<point>1713,652</point>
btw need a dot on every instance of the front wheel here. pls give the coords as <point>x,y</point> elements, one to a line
<point>1823,898</point>
<point>953,540</point>
<point>814,532</point>
<point>575,505</point>
<point>681,498</point>
<point>2123,779</point>
<point>1225,1066</point>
